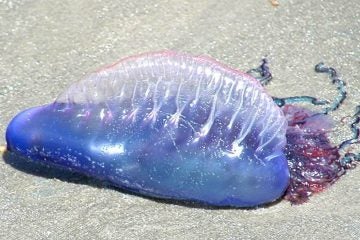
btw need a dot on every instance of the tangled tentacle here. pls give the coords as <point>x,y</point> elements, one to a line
<point>314,163</point>
<point>262,73</point>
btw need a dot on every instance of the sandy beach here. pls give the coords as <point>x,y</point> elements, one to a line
<point>47,45</point>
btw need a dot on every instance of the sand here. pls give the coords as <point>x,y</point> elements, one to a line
<point>47,45</point>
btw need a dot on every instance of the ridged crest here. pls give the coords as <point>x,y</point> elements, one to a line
<point>229,95</point>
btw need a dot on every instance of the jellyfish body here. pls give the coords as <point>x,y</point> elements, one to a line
<point>170,125</point>
<point>166,125</point>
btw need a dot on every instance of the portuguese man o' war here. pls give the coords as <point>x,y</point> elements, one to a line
<point>175,126</point>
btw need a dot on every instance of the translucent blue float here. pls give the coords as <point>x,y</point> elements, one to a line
<point>174,126</point>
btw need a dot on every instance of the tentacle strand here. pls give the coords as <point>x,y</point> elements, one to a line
<point>350,158</point>
<point>291,100</point>
<point>262,73</point>
<point>340,85</point>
